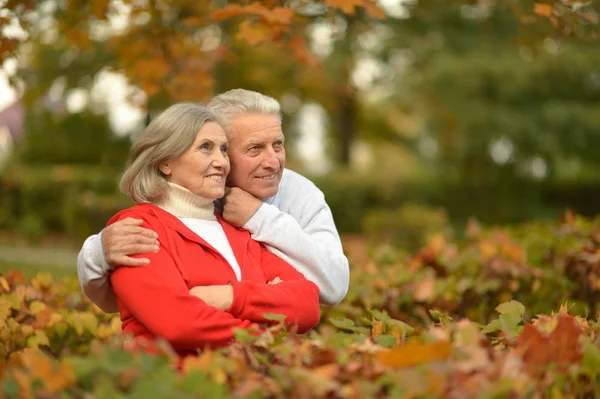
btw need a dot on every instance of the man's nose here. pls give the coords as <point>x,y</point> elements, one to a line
<point>271,161</point>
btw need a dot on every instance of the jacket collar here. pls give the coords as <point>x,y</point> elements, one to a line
<point>238,238</point>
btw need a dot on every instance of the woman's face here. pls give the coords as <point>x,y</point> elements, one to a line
<point>202,168</point>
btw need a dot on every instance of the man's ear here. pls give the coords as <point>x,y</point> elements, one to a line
<point>165,168</point>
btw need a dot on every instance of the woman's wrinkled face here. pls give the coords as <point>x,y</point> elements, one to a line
<point>202,168</point>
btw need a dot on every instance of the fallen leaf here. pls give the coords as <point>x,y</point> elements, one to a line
<point>414,352</point>
<point>561,347</point>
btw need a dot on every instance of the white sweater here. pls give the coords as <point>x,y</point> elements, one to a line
<point>296,224</point>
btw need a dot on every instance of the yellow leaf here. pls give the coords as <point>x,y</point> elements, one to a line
<point>26,329</point>
<point>4,284</point>
<point>6,308</point>
<point>37,339</point>
<point>36,307</point>
<point>201,362</point>
<point>414,353</point>
<point>377,328</point>
<point>42,281</point>
<point>83,321</point>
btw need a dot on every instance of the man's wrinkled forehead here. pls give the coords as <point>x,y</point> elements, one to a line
<point>246,127</point>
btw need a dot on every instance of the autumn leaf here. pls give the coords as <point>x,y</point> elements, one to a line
<point>251,33</point>
<point>373,9</point>
<point>425,289</point>
<point>561,347</point>
<point>545,10</point>
<point>229,11</point>
<point>346,6</point>
<point>54,377</point>
<point>414,352</point>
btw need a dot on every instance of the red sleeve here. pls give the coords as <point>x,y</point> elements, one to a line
<point>158,297</point>
<point>296,297</point>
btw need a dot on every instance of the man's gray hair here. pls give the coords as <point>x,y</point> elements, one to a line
<point>168,136</point>
<point>237,101</point>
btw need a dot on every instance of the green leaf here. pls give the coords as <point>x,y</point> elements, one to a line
<point>493,326</point>
<point>440,317</point>
<point>243,335</point>
<point>383,316</point>
<point>387,341</point>
<point>511,307</point>
<point>590,363</point>
<point>347,324</point>
<point>274,317</point>
<point>342,323</point>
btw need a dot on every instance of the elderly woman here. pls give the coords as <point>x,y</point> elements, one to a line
<point>207,277</point>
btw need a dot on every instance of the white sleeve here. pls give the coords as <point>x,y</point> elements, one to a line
<point>94,274</point>
<point>315,250</point>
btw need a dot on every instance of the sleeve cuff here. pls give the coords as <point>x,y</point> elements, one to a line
<point>253,224</point>
<point>98,255</point>
<point>239,298</point>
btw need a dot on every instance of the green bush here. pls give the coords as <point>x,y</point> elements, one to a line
<point>408,227</point>
<point>74,201</point>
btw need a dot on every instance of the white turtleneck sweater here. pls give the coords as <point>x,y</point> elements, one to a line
<point>198,214</point>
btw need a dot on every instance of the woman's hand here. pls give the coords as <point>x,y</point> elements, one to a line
<point>219,296</point>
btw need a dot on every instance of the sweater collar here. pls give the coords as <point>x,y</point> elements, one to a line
<point>182,203</point>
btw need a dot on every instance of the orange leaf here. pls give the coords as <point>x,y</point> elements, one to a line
<point>414,353</point>
<point>543,9</point>
<point>561,347</point>
<point>251,33</point>
<point>347,6</point>
<point>302,53</point>
<point>280,15</point>
<point>232,10</point>
<point>373,9</point>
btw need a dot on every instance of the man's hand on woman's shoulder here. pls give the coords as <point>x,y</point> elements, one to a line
<point>125,238</point>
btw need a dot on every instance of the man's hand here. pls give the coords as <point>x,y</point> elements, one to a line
<point>126,237</point>
<point>276,280</point>
<point>219,296</point>
<point>239,206</point>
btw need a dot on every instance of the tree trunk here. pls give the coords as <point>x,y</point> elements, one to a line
<point>346,123</point>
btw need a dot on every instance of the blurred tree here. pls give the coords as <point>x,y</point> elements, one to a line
<point>499,109</point>
<point>174,50</point>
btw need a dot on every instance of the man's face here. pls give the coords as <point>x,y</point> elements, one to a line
<point>256,153</point>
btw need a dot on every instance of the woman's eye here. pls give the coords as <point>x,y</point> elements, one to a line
<point>224,149</point>
<point>204,146</point>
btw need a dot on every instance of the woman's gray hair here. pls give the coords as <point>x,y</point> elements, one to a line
<point>168,136</point>
<point>233,102</point>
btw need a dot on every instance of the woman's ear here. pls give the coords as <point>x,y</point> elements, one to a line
<point>165,168</point>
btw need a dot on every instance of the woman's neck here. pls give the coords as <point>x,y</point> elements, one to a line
<point>182,203</point>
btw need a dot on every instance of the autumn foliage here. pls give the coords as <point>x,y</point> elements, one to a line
<point>454,320</point>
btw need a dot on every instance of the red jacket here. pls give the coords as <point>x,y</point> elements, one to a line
<point>154,300</point>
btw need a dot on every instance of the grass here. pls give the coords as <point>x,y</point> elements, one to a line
<point>31,269</point>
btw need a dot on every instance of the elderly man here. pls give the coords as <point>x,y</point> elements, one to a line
<point>280,208</point>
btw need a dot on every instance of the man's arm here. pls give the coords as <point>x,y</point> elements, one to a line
<point>93,272</point>
<point>315,250</point>
<point>112,246</point>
